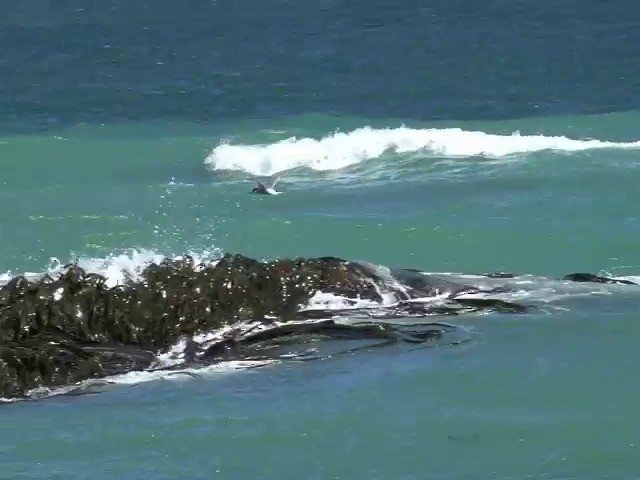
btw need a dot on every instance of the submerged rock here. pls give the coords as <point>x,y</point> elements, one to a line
<point>591,278</point>
<point>60,331</point>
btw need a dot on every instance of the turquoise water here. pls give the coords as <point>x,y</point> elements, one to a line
<point>450,137</point>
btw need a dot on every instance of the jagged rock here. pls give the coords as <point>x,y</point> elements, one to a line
<point>60,331</point>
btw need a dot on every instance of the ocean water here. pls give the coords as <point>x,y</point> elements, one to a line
<point>454,137</point>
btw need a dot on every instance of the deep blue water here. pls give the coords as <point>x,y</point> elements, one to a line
<point>201,60</point>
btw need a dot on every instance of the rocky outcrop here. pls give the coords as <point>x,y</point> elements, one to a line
<point>59,331</point>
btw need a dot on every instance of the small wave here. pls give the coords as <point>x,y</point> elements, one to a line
<point>340,150</point>
<point>138,377</point>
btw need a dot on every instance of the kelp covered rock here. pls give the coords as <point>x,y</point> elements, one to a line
<point>39,363</point>
<point>59,331</point>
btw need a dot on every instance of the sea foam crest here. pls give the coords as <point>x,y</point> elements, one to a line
<point>117,268</point>
<point>341,149</point>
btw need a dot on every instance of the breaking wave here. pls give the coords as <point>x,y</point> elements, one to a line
<point>116,268</point>
<point>343,149</point>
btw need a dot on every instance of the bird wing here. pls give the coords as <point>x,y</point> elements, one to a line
<point>271,182</point>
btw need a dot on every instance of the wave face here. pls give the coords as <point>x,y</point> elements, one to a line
<point>340,150</point>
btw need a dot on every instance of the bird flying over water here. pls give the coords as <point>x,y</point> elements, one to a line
<point>266,187</point>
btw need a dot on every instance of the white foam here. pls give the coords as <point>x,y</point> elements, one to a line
<point>144,376</point>
<point>115,268</point>
<point>136,377</point>
<point>537,289</point>
<point>175,354</point>
<point>340,150</point>
<point>630,278</point>
<point>330,301</point>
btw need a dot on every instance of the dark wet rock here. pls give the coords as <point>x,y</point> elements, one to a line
<point>493,305</point>
<point>35,363</point>
<point>423,284</point>
<point>59,331</point>
<point>589,277</point>
<point>499,275</point>
<point>429,285</point>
